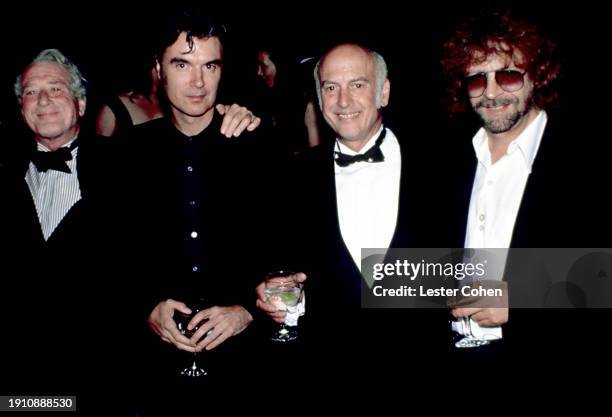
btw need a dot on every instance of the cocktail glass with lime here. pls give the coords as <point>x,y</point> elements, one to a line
<point>284,292</point>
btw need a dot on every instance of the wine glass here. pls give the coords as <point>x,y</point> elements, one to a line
<point>465,337</point>
<point>469,333</point>
<point>284,292</point>
<point>194,369</point>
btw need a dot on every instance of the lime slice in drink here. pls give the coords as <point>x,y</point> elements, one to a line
<point>290,298</point>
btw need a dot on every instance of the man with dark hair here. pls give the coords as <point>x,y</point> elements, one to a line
<point>524,181</point>
<point>193,210</point>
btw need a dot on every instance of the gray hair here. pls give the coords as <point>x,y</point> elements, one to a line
<point>77,81</point>
<point>381,75</point>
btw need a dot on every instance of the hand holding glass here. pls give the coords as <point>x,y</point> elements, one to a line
<point>466,338</point>
<point>284,292</point>
<point>194,370</point>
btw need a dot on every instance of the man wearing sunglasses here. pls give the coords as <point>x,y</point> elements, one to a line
<point>524,178</point>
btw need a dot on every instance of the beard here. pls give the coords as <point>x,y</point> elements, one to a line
<point>504,122</point>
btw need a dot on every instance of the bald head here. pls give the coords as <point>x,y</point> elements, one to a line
<point>352,86</point>
<point>340,52</point>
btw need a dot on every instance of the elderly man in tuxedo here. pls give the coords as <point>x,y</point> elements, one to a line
<point>357,191</point>
<point>50,186</point>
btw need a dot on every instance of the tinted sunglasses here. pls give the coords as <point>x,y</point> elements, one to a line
<point>508,79</point>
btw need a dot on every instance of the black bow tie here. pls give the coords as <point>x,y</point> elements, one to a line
<point>56,160</point>
<point>374,154</point>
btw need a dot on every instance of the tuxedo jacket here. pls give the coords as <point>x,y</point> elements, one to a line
<point>21,219</point>
<point>372,342</point>
<point>55,290</point>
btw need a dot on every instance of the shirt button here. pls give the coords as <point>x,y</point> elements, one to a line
<point>481,228</point>
<point>481,217</point>
<point>194,234</point>
<point>189,168</point>
<point>489,182</point>
<point>195,268</point>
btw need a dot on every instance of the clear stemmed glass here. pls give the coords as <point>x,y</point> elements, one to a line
<point>284,292</point>
<point>194,369</point>
<point>466,338</point>
<point>489,276</point>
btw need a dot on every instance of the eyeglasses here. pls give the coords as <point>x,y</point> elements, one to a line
<point>509,80</point>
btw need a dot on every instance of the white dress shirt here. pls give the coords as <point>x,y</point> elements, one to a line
<point>496,198</point>
<point>53,192</point>
<point>498,188</point>
<point>368,197</point>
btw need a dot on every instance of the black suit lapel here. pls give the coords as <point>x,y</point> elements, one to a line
<point>22,217</point>
<point>83,165</point>
<point>529,229</point>
<point>413,206</point>
<point>90,155</point>
<point>31,223</point>
<point>401,235</point>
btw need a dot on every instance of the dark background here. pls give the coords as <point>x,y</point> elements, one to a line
<point>106,39</point>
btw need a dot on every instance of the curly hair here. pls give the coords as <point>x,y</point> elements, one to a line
<point>503,34</point>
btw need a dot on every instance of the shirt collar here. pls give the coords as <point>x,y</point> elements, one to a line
<point>527,142</point>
